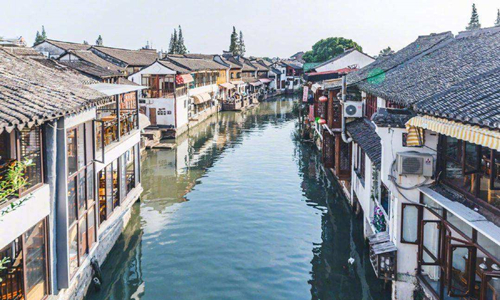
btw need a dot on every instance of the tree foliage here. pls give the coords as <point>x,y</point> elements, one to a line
<point>241,45</point>
<point>99,42</point>
<point>40,37</point>
<point>497,22</point>
<point>326,49</point>
<point>233,46</point>
<point>176,45</point>
<point>181,48</point>
<point>386,51</point>
<point>474,19</point>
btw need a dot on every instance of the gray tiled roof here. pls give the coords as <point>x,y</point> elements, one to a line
<point>174,67</point>
<point>195,64</point>
<point>90,69</point>
<point>363,133</point>
<point>92,58</point>
<point>387,117</point>
<point>474,100</point>
<point>383,65</point>
<point>438,70</point>
<point>67,45</point>
<point>31,91</point>
<point>139,58</point>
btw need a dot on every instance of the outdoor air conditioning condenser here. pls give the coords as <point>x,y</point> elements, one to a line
<point>414,163</point>
<point>353,109</point>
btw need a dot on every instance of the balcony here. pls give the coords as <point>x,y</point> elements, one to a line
<point>112,126</point>
<point>153,93</point>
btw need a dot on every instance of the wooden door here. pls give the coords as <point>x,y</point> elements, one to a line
<point>152,116</point>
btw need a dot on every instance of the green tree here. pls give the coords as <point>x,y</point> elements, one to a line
<point>173,43</point>
<point>181,48</point>
<point>233,46</point>
<point>326,49</point>
<point>497,22</point>
<point>40,37</point>
<point>85,42</point>
<point>241,45</point>
<point>386,51</point>
<point>98,42</point>
<point>474,19</point>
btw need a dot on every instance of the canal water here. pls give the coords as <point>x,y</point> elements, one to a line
<point>240,210</point>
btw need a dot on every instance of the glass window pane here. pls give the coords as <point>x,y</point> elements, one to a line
<point>102,196</point>
<point>73,250</point>
<point>459,224</point>
<point>90,184</point>
<point>410,224</point>
<point>11,279</point>
<point>91,227</point>
<point>89,138</point>
<point>109,190</point>
<point>36,268</point>
<point>116,196</point>
<point>82,239</point>
<point>81,146</point>
<point>130,169</point>
<point>72,151</point>
<point>81,194</point>
<point>72,201</point>
<point>123,177</point>
<point>31,149</point>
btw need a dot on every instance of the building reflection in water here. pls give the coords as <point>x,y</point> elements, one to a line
<point>169,175</point>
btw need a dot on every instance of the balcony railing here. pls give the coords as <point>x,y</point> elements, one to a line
<point>111,128</point>
<point>157,93</point>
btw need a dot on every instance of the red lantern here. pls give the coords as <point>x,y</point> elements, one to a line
<point>321,121</point>
<point>323,99</point>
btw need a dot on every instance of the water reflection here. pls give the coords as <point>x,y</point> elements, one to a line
<point>239,211</point>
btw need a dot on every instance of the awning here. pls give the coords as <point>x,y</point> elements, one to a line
<point>143,121</point>
<point>256,83</point>
<point>183,79</point>
<point>265,80</point>
<point>227,85</point>
<point>111,89</point>
<point>237,82</point>
<point>315,87</point>
<point>201,98</point>
<point>473,134</point>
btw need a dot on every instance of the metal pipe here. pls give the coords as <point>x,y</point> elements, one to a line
<point>344,94</point>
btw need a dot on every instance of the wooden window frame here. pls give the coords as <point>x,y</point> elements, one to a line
<point>474,197</point>
<point>82,172</point>
<point>419,228</point>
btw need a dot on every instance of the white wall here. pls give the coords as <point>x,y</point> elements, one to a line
<point>35,207</point>
<point>353,58</point>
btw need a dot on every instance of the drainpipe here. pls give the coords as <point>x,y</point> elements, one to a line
<point>344,94</point>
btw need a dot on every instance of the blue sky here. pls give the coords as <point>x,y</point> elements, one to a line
<point>270,27</point>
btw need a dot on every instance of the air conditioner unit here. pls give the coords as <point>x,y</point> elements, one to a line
<point>414,163</point>
<point>353,109</point>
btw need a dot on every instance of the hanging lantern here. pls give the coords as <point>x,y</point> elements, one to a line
<point>321,121</point>
<point>323,99</point>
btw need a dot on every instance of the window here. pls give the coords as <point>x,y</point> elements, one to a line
<point>115,182</point>
<point>471,169</point>
<point>22,146</point>
<point>410,223</point>
<point>80,194</point>
<point>385,200</point>
<point>25,275</point>
<point>360,164</point>
<point>371,105</point>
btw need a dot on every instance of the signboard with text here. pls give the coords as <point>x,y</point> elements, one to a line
<point>306,91</point>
